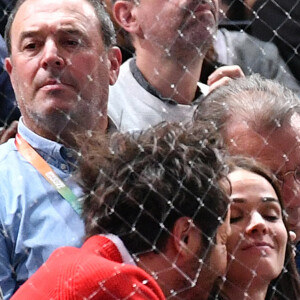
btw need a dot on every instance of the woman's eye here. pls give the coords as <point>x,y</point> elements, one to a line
<point>236,214</point>
<point>271,213</point>
<point>271,218</point>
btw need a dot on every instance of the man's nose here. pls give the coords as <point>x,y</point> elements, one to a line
<point>51,56</point>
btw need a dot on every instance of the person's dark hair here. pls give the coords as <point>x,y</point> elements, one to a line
<point>106,27</point>
<point>263,103</point>
<point>143,184</point>
<point>286,285</point>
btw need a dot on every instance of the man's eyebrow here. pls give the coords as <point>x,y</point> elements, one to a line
<point>67,30</point>
<point>28,34</point>
<point>72,31</point>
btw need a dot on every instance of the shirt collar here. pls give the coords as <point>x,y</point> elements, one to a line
<point>126,257</point>
<point>48,149</point>
<point>139,77</point>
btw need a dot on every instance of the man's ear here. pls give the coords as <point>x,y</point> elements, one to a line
<point>8,65</point>
<point>9,68</point>
<point>125,16</point>
<point>186,238</point>
<point>115,61</point>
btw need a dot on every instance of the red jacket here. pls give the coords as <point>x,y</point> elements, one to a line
<point>94,271</point>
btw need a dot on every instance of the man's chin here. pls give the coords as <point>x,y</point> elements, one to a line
<point>53,107</point>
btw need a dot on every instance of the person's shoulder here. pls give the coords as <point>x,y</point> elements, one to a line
<point>125,84</point>
<point>240,37</point>
<point>120,279</point>
<point>126,81</point>
<point>89,273</point>
<point>10,170</point>
<point>7,150</point>
<point>125,70</point>
<point>12,165</point>
<point>249,44</point>
<point>127,280</point>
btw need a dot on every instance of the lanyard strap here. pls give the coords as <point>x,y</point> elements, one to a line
<point>46,171</point>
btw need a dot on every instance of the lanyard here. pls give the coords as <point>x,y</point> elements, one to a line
<point>46,171</point>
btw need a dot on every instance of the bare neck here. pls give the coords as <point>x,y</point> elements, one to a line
<point>174,77</point>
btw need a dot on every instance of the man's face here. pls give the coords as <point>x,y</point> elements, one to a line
<point>59,67</point>
<point>207,265</point>
<point>177,24</point>
<point>279,150</point>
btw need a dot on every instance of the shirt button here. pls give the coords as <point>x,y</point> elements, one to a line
<point>63,166</point>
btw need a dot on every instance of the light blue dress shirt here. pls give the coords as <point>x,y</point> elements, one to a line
<point>34,218</point>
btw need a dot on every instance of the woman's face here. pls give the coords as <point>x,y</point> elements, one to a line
<point>258,235</point>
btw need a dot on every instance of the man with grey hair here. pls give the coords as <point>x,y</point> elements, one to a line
<point>261,118</point>
<point>61,62</point>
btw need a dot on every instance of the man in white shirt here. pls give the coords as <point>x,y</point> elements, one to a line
<point>171,39</point>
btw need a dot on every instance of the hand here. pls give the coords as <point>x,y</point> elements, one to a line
<point>292,235</point>
<point>222,75</point>
<point>7,133</point>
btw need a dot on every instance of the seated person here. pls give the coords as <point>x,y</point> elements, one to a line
<point>161,82</point>
<point>50,71</point>
<point>156,221</point>
<point>260,118</point>
<point>261,264</point>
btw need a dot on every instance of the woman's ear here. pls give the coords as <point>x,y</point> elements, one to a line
<point>124,12</point>
<point>186,238</point>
